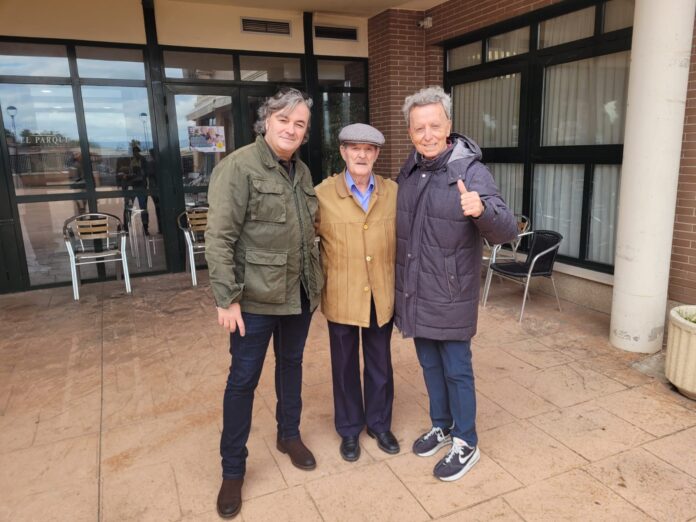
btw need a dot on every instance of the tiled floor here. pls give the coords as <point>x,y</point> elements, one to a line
<point>110,409</point>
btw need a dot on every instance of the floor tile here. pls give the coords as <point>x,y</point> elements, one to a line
<point>572,496</point>
<point>538,457</point>
<point>496,509</point>
<point>346,496</point>
<point>568,384</point>
<point>535,353</point>
<point>291,505</point>
<point>591,431</point>
<point>657,488</point>
<point>678,449</point>
<point>515,398</point>
<point>649,410</point>
<point>76,502</point>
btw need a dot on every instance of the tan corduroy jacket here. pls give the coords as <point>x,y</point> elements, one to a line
<point>358,251</point>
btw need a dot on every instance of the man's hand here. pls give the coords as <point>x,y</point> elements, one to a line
<point>231,318</point>
<point>471,202</point>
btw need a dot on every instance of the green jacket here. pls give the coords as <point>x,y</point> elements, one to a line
<point>260,241</point>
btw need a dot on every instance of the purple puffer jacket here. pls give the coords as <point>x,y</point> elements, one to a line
<point>438,249</point>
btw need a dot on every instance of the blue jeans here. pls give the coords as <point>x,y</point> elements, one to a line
<point>248,353</point>
<point>449,378</point>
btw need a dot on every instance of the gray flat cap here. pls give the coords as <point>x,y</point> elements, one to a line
<point>361,133</point>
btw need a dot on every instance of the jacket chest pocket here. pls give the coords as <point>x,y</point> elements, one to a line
<point>311,199</point>
<point>267,201</point>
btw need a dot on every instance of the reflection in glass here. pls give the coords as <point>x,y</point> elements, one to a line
<point>618,14</point>
<point>338,110</point>
<point>585,101</point>
<point>118,129</point>
<point>489,110</point>
<point>508,44</point>
<point>196,199</point>
<point>603,213</point>
<point>567,28</point>
<point>202,66</point>
<point>341,73</point>
<point>42,139</point>
<point>42,234</point>
<point>557,196</point>
<point>26,59</point>
<point>464,56</point>
<point>509,177</point>
<point>269,69</point>
<point>141,217</point>
<point>107,62</point>
<point>206,134</point>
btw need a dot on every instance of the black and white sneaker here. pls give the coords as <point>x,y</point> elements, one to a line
<point>429,443</point>
<point>460,459</point>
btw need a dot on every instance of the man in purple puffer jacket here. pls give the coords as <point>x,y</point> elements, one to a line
<point>447,201</point>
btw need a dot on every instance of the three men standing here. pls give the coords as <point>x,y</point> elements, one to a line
<point>356,224</point>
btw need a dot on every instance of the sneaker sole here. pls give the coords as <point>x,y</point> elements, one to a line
<point>470,464</point>
<point>446,441</point>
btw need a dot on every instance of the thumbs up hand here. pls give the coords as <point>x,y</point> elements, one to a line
<point>471,201</point>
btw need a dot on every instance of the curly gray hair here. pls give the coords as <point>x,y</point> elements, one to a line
<point>284,100</point>
<point>427,96</point>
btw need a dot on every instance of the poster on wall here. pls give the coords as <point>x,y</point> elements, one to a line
<point>206,138</point>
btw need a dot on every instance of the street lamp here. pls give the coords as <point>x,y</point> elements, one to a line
<point>12,112</point>
<point>143,118</point>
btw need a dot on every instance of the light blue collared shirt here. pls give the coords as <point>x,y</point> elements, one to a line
<point>363,199</point>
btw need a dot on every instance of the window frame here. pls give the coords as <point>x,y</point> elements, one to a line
<point>532,65</point>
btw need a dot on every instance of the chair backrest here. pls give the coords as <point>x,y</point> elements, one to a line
<point>92,227</point>
<point>543,240</point>
<point>193,222</point>
<point>523,223</point>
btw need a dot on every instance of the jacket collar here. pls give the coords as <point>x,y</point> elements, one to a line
<point>342,186</point>
<point>270,160</point>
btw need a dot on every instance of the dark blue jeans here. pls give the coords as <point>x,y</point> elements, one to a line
<point>248,353</point>
<point>449,378</point>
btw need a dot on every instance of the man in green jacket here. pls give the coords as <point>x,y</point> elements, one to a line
<point>266,277</point>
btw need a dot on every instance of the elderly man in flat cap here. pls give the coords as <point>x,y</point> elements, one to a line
<point>356,223</point>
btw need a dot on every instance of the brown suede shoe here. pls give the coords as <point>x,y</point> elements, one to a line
<point>229,501</point>
<point>299,454</point>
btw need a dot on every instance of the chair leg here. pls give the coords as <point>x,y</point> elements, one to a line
<point>147,251</point>
<point>524,300</point>
<point>192,264</point>
<point>487,286</point>
<point>555,292</point>
<point>124,264</point>
<point>75,282</point>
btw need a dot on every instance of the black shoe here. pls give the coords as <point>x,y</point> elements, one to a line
<point>386,441</point>
<point>350,448</point>
<point>458,461</point>
<point>430,443</point>
<point>229,501</point>
<point>299,454</point>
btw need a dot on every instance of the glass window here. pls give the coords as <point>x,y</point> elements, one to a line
<point>557,195</point>
<point>119,134</point>
<point>508,44</point>
<point>567,28</point>
<point>42,140</point>
<point>464,56</point>
<point>341,73</point>
<point>102,62</point>
<point>24,59</point>
<point>42,234</point>
<point>585,101</point>
<point>206,135</point>
<point>510,180</point>
<point>269,69</point>
<point>603,213</point>
<point>338,110</point>
<point>141,216</point>
<point>618,14</point>
<point>489,110</point>
<point>202,66</point>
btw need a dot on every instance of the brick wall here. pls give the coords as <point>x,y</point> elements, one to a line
<point>682,276</point>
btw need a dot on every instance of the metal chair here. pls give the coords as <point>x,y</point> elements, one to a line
<point>539,263</point>
<point>95,238</point>
<point>192,223</point>
<point>496,252</point>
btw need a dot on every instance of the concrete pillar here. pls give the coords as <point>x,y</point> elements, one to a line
<point>657,85</point>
